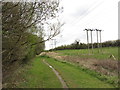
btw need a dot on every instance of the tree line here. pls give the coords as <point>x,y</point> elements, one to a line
<point>24,31</point>
<point>78,45</point>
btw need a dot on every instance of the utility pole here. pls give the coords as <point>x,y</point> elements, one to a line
<point>53,43</point>
<point>91,39</point>
<point>87,39</point>
<point>97,37</point>
<point>99,46</point>
<point>97,32</point>
<point>100,39</point>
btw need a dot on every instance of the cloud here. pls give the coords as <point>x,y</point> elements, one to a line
<point>81,14</point>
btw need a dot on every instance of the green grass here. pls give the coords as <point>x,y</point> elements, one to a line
<point>38,75</point>
<point>76,77</point>
<point>83,53</point>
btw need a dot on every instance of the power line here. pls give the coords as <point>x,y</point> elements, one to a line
<point>79,18</point>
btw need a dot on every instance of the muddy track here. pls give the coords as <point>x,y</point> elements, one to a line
<point>57,74</point>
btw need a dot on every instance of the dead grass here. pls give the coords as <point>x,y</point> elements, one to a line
<point>106,67</point>
<point>110,65</point>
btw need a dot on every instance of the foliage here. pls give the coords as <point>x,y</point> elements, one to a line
<point>78,45</point>
<point>23,31</point>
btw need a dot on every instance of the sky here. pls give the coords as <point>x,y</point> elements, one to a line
<point>90,14</point>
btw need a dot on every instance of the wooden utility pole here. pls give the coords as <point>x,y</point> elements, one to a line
<point>97,38</point>
<point>91,39</point>
<point>99,46</point>
<point>53,43</point>
<point>100,39</point>
<point>87,38</point>
<point>97,32</point>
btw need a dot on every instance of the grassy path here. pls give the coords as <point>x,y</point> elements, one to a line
<point>76,78</point>
<point>39,75</point>
<point>57,74</point>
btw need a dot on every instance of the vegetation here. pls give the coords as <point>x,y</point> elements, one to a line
<point>78,45</point>
<point>24,33</point>
<point>35,74</point>
<point>77,77</point>
<point>99,62</point>
<point>102,53</point>
<point>26,26</point>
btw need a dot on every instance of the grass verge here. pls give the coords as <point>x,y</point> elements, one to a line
<point>34,75</point>
<point>76,77</point>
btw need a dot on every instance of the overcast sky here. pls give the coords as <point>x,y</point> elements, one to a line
<point>92,14</point>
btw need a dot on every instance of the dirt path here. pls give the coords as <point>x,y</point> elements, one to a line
<point>57,74</point>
